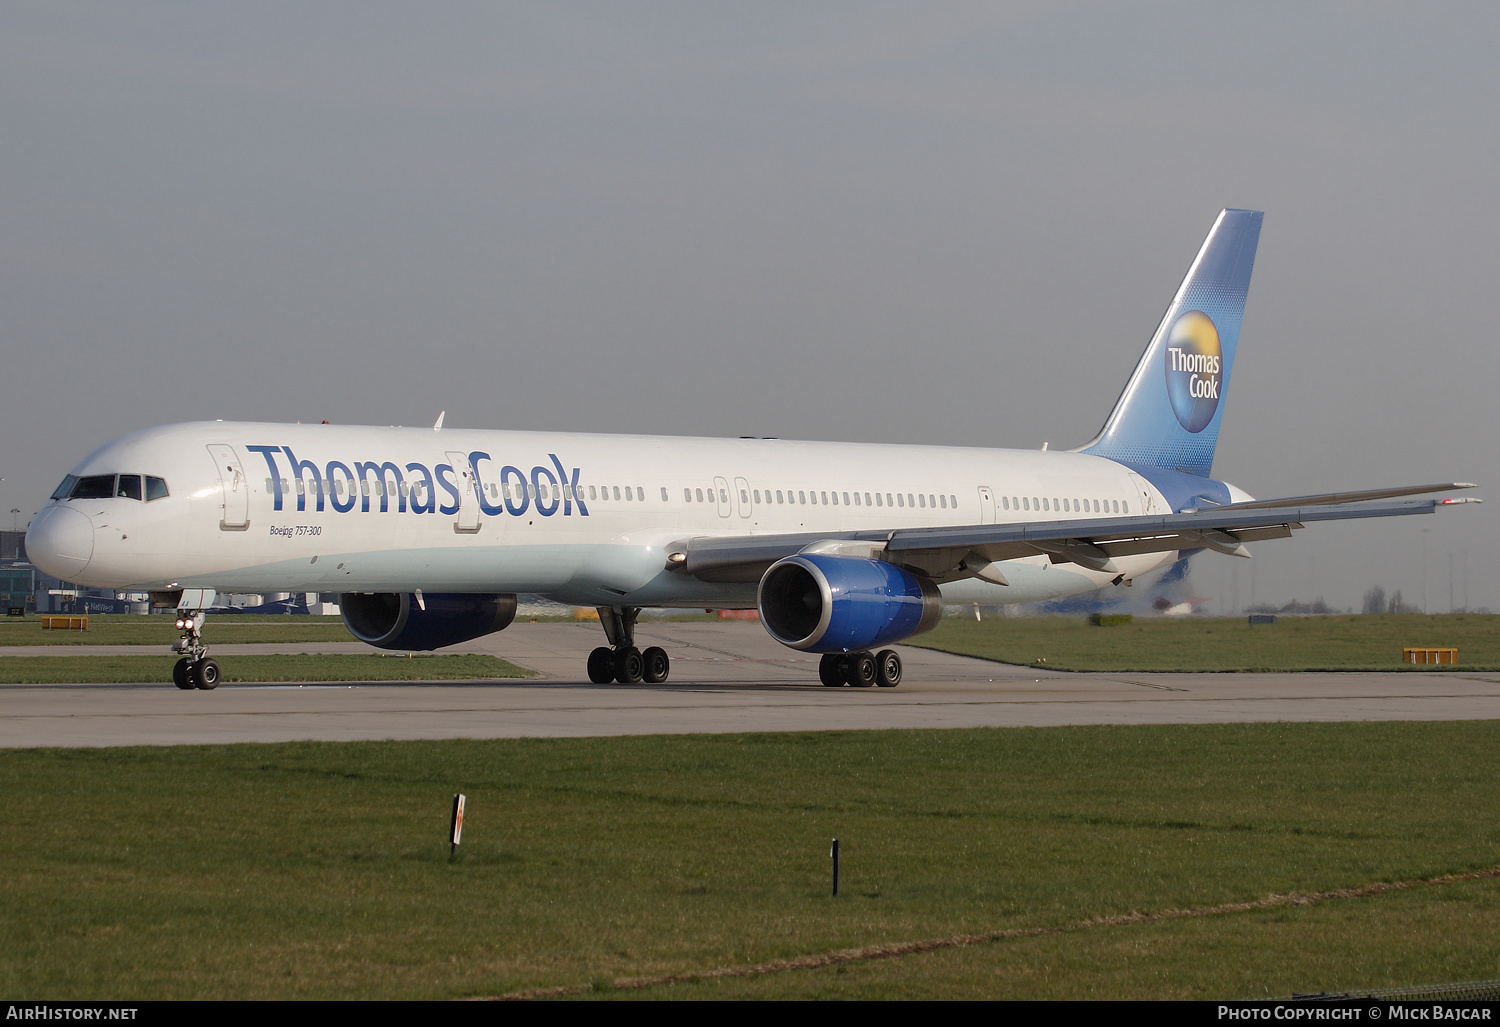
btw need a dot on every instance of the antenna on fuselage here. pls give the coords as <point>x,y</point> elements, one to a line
<point>438,424</point>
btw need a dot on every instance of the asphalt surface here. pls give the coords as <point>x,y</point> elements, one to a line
<point>726,676</point>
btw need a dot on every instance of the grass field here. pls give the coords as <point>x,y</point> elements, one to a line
<point>321,869</point>
<point>131,629</point>
<point>1202,644</point>
<point>222,629</point>
<point>284,667</point>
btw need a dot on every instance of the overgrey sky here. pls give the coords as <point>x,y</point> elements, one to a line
<point>950,223</point>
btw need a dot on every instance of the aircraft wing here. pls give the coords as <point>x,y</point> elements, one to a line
<point>949,553</point>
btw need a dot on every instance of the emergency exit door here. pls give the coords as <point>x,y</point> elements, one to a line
<point>986,505</point>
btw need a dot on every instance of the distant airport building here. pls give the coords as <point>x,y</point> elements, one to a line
<point>23,586</point>
<point>17,575</point>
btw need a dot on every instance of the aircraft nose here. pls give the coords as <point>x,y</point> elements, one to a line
<point>60,541</point>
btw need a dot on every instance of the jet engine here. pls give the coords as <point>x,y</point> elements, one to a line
<point>840,604</point>
<point>395,620</point>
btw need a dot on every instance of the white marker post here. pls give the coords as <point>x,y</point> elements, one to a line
<point>456,830</point>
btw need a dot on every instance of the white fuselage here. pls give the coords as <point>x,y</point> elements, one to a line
<point>583,519</point>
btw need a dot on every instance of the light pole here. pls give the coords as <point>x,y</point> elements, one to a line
<point>15,513</point>
<point>1424,568</point>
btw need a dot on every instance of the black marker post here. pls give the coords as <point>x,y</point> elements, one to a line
<point>835,854</point>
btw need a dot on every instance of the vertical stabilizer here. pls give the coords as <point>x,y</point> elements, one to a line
<point>1168,415</point>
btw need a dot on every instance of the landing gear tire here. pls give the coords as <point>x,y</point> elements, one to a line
<point>629,666</point>
<point>860,670</point>
<point>602,665</point>
<point>180,676</point>
<point>828,670</point>
<point>655,665</point>
<point>887,668</point>
<point>205,674</point>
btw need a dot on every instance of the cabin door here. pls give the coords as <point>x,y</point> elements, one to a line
<point>467,521</point>
<point>235,514</point>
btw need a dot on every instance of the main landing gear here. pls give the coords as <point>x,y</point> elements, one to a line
<point>621,661</point>
<point>861,669</point>
<point>196,669</point>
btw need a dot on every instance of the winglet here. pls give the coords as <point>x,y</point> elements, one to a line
<point>438,425</point>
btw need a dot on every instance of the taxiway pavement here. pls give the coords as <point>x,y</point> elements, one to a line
<point>726,676</point>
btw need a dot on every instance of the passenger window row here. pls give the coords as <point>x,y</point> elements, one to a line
<point>341,486</point>
<point>514,491</point>
<point>312,486</point>
<point>630,493</point>
<point>1054,505</point>
<point>129,486</point>
<point>140,487</point>
<point>819,497</point>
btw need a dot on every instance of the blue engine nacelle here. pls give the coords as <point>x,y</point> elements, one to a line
<point>394,620</point>
<point>842,604</point>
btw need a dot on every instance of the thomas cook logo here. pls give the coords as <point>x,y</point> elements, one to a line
<point>1195,370</point>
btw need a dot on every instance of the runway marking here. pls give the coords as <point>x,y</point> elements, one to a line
<point>737,657</point>
<point>870,953</point>
<point>1152,684</point>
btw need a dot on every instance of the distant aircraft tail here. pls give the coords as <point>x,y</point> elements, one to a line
<point>1168,415</point>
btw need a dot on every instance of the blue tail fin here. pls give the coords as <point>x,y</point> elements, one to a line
<point>1168,415</point>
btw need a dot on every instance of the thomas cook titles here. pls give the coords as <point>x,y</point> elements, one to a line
<point>388,486</point>
<point>1194,368</point>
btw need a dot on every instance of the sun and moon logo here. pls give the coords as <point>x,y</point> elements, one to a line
<point>1195,369</point>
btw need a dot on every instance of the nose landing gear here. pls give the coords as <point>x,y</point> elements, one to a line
<point>621,661</point>
<point>196,669</point>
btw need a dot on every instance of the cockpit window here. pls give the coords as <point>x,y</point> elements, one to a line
<point>95,486</point>
<point>110,486</point>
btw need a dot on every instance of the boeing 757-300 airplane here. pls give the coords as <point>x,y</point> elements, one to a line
<point>427,535</point>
